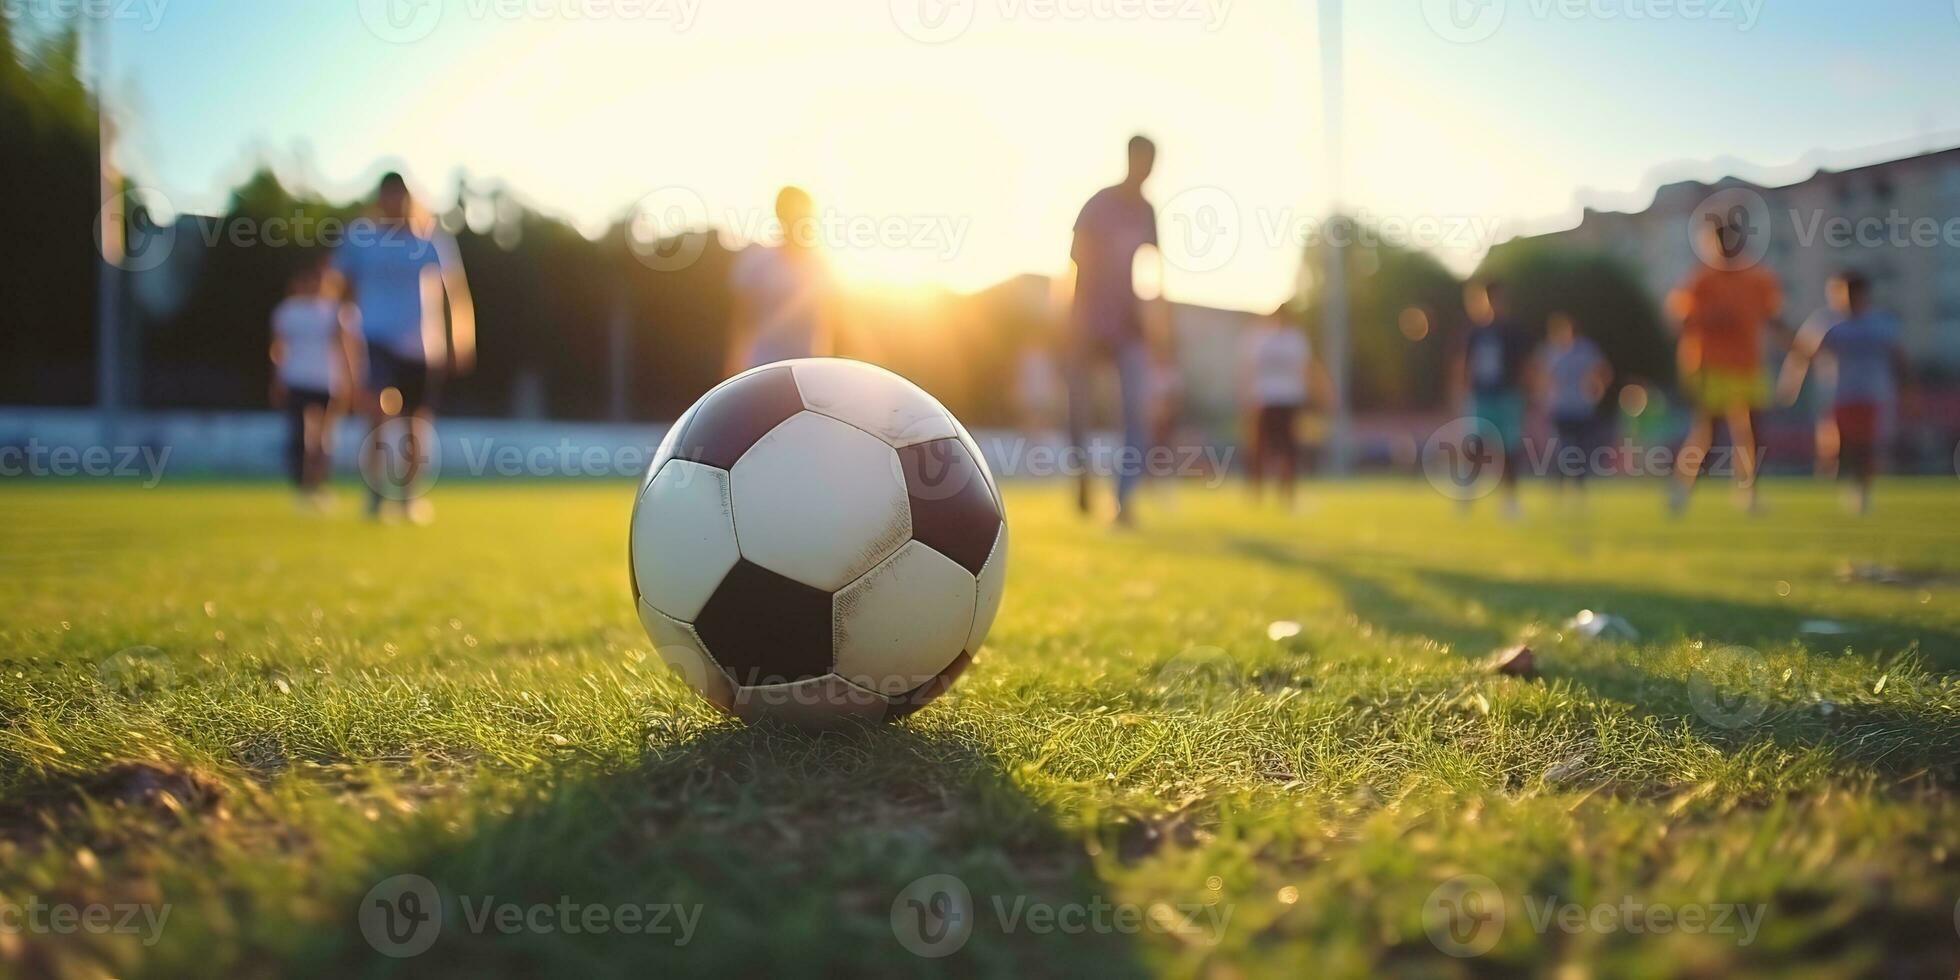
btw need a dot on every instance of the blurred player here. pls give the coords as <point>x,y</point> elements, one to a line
<point>1866,365</point>
<point>401,268</point>
<point>1490,377</point>
<point>1722,311</point>
<point>785,302</point>
<point>315,357</point>
<point>1573,376</point>
<point>1107,319</point>
<point>1278,376</point>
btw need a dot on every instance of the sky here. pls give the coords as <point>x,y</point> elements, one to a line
<point>952,141</point>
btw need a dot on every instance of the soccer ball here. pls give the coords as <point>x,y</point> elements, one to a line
<point>816,541</point>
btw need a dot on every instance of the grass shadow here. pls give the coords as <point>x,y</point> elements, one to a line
<point>800,853</point>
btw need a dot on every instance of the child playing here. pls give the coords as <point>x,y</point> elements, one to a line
<point>314,352</point>
<point>1867,363</point>
<point>1277,374</point>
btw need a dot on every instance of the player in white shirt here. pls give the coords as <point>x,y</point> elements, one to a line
<point>1278,376</point>
<point>315,354</point>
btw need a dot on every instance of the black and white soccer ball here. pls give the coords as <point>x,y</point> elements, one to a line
<point>818,540</point>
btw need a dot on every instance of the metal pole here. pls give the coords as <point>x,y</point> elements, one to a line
<point>1334,326</point>
<point>108,280</point>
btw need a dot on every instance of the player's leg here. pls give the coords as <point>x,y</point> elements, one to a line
<point>1694,452</point>
<point>1133,378</point>
<point>295,456</point>
<point>1081,392</point>
<point>1287,451</point>
<point>1742,436</point>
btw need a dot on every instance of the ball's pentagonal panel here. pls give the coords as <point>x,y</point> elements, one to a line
<point>993,585</point>
<point>993,486</point>
<point>952,504</point>
<point>729,419</point>
<point>904,621</point>
<point>687,544</point>
<point>926,693</point>
<point>819,702</point>
<point>681,648</point>
<point>763,628</point>
<point>820,502</point>
<point>670,443</point>
<point>873,399</point>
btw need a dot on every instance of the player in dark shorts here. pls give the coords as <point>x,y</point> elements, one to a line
<point>391,260</point>
<point>1491,378</point>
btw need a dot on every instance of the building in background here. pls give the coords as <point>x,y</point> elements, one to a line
<point>1898,222</point>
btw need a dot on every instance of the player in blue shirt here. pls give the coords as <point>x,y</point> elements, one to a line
<point>400,267</point>
<point>1865,366</point>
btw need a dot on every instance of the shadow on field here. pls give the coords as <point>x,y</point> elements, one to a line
<point>1660,616</point>
<point>801,855</point>
<point>1730,707</point>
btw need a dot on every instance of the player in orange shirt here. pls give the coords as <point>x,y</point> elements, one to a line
<point>1723,311</point>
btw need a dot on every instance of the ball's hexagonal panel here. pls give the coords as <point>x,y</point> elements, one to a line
<point>681,648</point>
<point>930,691</point>
<point>953,507</point>
<point>873,399</point>
<point>729,420</point>
<point>683,538</point>
<point>820,702</point>
<point>820,502</point>
<point>993,585</point>
<point>904,621</point>
<point>765,629</point>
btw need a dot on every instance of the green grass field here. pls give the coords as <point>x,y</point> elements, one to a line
<point>212,703</point>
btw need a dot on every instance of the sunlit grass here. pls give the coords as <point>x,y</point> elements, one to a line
<point>475,702</point>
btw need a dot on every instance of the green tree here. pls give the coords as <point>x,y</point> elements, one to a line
<point>1602,295</point>
<point>1401,303</point>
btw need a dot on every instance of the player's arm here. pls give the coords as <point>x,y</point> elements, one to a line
<point>276,392</point>
<point>1320,385</point>
<point>462,307</point>
<point>1796,364</point>
<point>353,359</point>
